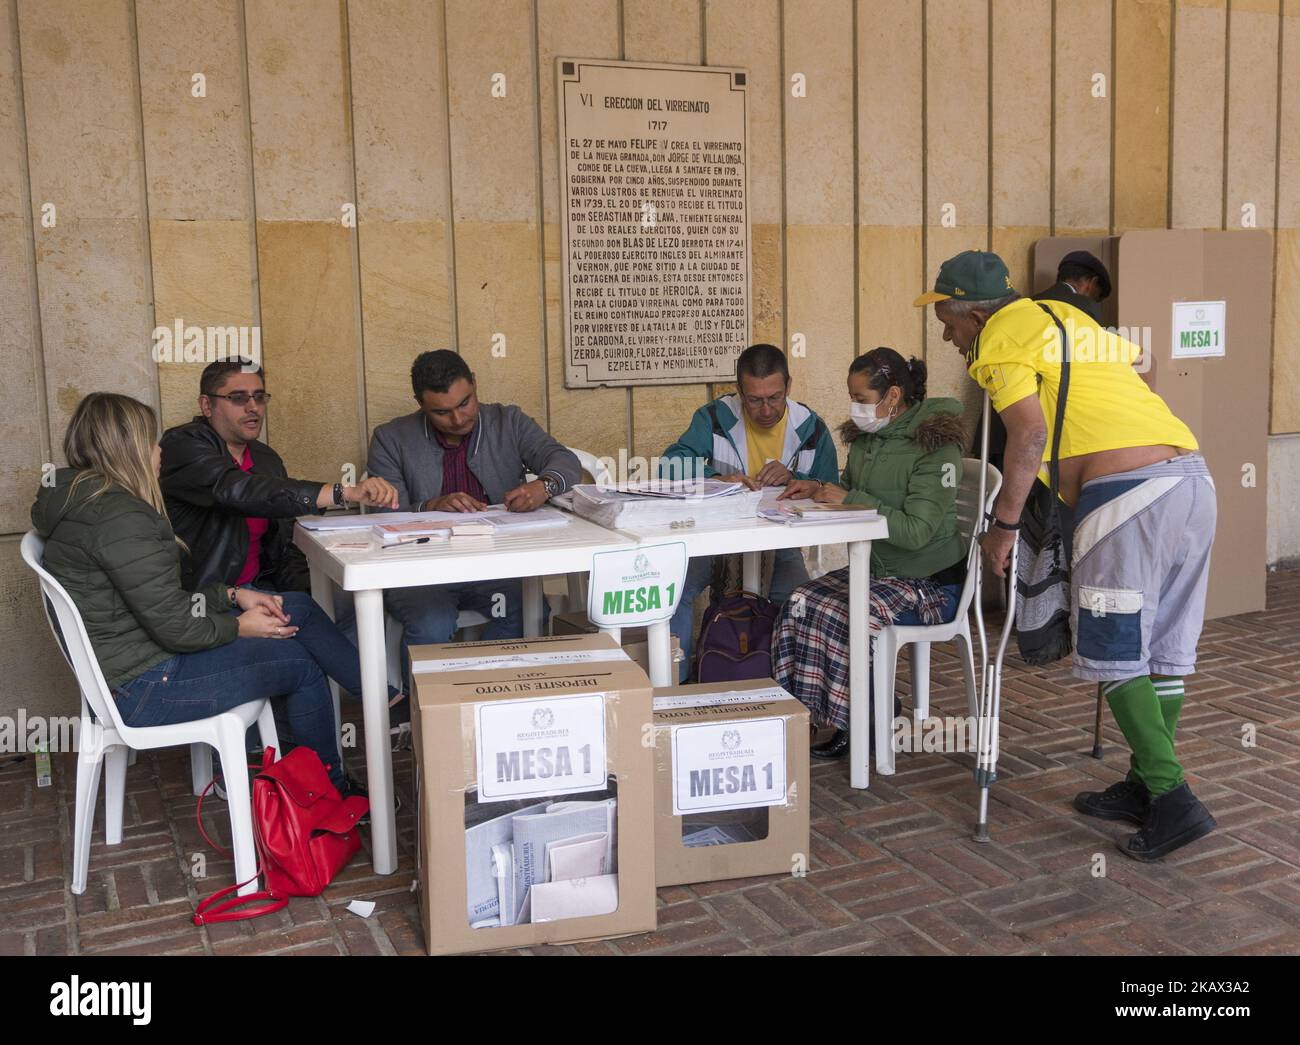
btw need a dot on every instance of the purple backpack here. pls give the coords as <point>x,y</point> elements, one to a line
<point>736,638</point>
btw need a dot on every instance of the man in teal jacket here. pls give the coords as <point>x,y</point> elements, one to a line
<point>758,437</point>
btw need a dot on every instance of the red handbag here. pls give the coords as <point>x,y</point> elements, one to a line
<point>305,833</point>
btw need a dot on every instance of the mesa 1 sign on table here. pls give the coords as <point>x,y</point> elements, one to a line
<point>654,222</point>
<point>635,587</point>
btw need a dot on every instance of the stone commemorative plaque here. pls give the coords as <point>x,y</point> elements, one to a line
<point>654,220</point>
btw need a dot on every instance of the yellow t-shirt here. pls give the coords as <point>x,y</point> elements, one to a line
<point>764,444</point>
<point>1107,406</point>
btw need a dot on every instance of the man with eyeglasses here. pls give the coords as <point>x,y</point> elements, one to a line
<point>758,437</point>
<point>231,501</point>
<point>228,494</point>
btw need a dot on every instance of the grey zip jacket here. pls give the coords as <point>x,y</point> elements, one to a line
<point>504,445</point>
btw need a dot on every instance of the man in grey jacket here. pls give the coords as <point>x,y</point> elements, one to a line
<point>455,454</point>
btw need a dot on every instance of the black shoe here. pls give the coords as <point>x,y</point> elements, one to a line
<point>399,722</point>
<point>1173,820</point>
<point>354,788</point>
<point>1127,800</point>
<point>836,747</point>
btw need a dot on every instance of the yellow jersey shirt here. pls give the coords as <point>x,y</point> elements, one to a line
<point>1107,405</point>
<point>764,444</point>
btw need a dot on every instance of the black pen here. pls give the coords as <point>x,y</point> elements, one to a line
<point>403,544</point>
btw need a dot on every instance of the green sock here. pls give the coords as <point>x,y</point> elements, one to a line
<point>1170,691</point>
<point>1138,714</point>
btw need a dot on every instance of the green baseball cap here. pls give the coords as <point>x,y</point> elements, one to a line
<point>973,275</point>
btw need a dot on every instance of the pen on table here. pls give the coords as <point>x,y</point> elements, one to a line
<point>404,543</point>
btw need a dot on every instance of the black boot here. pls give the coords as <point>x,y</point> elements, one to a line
<point>836,747</point>
<point>1127,800</point>
<point>1174,819</point>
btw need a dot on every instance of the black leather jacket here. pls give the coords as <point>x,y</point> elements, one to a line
<point>209,499</point>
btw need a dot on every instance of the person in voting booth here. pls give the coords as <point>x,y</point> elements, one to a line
<point>233,504</point>
<point>758,436</point>
<point>1144,520</point>
<point>109,543</point>
<point>905,462</point>
<point>1081,281</point>
<point>455,454</point>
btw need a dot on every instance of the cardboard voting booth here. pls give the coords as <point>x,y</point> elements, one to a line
<point>533,787</point>
<point>1200,302</point>
<point>731,782</point>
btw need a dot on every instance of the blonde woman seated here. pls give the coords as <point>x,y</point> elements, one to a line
<point>109,543</point>
<point>904,461</point>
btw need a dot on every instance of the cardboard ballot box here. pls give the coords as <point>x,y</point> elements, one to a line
<point>532,789</point>
<point>731,782</point>
<point>634,639</point>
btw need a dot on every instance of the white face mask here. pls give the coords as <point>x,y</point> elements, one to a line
<point>867,418</point>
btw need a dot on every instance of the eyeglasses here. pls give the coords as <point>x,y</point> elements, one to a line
<point>756,402</point>
<point>242,398</point>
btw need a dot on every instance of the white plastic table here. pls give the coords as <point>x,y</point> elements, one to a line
<point>751,539</point>
<point>529,554</point>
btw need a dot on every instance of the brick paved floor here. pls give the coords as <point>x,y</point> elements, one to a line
<point>893,869</point>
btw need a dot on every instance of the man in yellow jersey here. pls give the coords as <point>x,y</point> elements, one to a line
<point>1144,512</point>
<point>759,437</point>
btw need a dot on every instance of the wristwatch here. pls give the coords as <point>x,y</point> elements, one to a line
<point>1003,525</point>
<point>551,486</point>
<point>338,495</point>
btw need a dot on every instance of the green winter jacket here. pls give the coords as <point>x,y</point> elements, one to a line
<point>119,561</point>
<point>909,472</point>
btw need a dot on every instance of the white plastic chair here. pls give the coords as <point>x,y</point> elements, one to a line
<point>891,638</point>
<point>106,738</point>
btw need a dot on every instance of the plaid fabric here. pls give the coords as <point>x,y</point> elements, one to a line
<point>456,476</point>
<point>810,648</point>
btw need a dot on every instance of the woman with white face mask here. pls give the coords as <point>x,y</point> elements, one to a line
<point>904,461</point>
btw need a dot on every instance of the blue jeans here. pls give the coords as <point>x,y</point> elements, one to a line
<point>191,686</point>
<point>321,637</point>
<point>788,572</point>
<point>428,614</point>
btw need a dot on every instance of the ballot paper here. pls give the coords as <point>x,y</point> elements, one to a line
<point>583,856</point>
<point>391,532</point>
<point>534,844</point>
<point>680,488</point>
<point>615,509</point>
<point>497,514</point>
<point>561,822</point>
<point>717,834</point>
<point>480,882</point>
<point>503,870</point>
<point>576,898</point>
<point>807,514</point>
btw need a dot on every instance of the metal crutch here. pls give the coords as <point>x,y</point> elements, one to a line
<point>990,705</point>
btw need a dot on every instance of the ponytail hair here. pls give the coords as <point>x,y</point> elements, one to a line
<point>886,368</point>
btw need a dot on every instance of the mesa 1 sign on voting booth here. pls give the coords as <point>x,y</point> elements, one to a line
<point>639,586</point>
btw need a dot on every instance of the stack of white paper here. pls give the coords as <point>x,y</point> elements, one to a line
<point>614,509</point>
<point>789,517</point>
<point>498,515</point>
<point>542,862</point>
